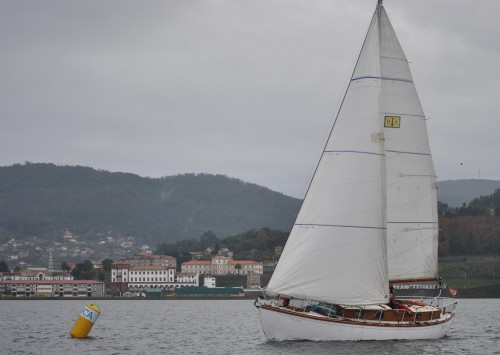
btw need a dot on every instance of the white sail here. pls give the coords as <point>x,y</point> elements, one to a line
<point>369,216</point>
<point>412,231</point>
<point>336,251</point>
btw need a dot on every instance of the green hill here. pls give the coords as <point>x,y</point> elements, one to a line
<point>43,199</point>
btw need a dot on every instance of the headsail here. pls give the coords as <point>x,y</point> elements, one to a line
<point>336,251</point>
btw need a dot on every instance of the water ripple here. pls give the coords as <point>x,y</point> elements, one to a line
<point>202,327</point>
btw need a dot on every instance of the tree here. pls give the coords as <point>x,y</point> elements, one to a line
<point>105,274</point>
<point>65,267</point>
<point>106,265</point>
<point>84,271</point>
<point>4,267</point>
<point>208,239</point>
<point>216,248</point>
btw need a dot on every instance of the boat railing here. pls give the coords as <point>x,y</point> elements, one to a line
<point>377,316</point>
<point>282,301</point>
<point>445,304</point>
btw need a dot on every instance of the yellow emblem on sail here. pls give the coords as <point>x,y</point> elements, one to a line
<point>392,121</point>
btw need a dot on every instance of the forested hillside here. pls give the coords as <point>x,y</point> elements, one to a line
<point>255,244</point>
<point>455,193</point>
<point>45,199</point>
<point>471,229</point>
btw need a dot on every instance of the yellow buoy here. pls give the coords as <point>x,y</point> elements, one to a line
<point>85,321</point>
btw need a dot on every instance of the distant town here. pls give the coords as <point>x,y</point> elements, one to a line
<point>29,252</point>
<point>137,274</point>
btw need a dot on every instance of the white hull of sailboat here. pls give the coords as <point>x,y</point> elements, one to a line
<point>279,325</point>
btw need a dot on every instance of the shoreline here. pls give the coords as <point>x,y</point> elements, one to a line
<point>112,298</point>
<point>176,298</point>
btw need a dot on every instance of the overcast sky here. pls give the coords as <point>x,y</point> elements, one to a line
<point>244,88</point>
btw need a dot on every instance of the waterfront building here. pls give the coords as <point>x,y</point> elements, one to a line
<point>223,265</point>
<point>52,288</point>
<point>36,274</point>
<point>119,276</point>
<point>138,278</point>
<point>209,281</point>
<point>186,278</point>
<point>253,281</point>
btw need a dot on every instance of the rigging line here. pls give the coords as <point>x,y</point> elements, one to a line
<point>353,151</point>
<point>402,59</point>
<point>417,175</point>
<point>410,222</point>
<point>403,152</point>
<point>336,226</point>
<point>382,78</point>
<point>422,229</point>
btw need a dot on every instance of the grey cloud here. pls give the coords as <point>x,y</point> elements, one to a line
<point>242,88</point>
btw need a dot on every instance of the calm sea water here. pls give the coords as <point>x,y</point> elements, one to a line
<point>210,327</point>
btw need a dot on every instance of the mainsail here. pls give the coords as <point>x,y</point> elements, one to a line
<point>369,215</point>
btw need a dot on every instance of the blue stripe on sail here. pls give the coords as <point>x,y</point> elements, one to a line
<point>402,152</point>
<point>411,222</point>
<point>336,225</point>
<point>382,78</point>
<point>353,151</point>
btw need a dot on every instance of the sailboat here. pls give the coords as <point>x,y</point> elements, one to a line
<point>368,222</point>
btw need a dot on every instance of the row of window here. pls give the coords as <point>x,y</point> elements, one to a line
<point>156,279</point>
<point>51,285</point>
<point>20,288</point>
<point>140,287</point>
<point>136,279</point>
<point>40,278</point>
<point>220,266</point>
<point>162,272</point>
